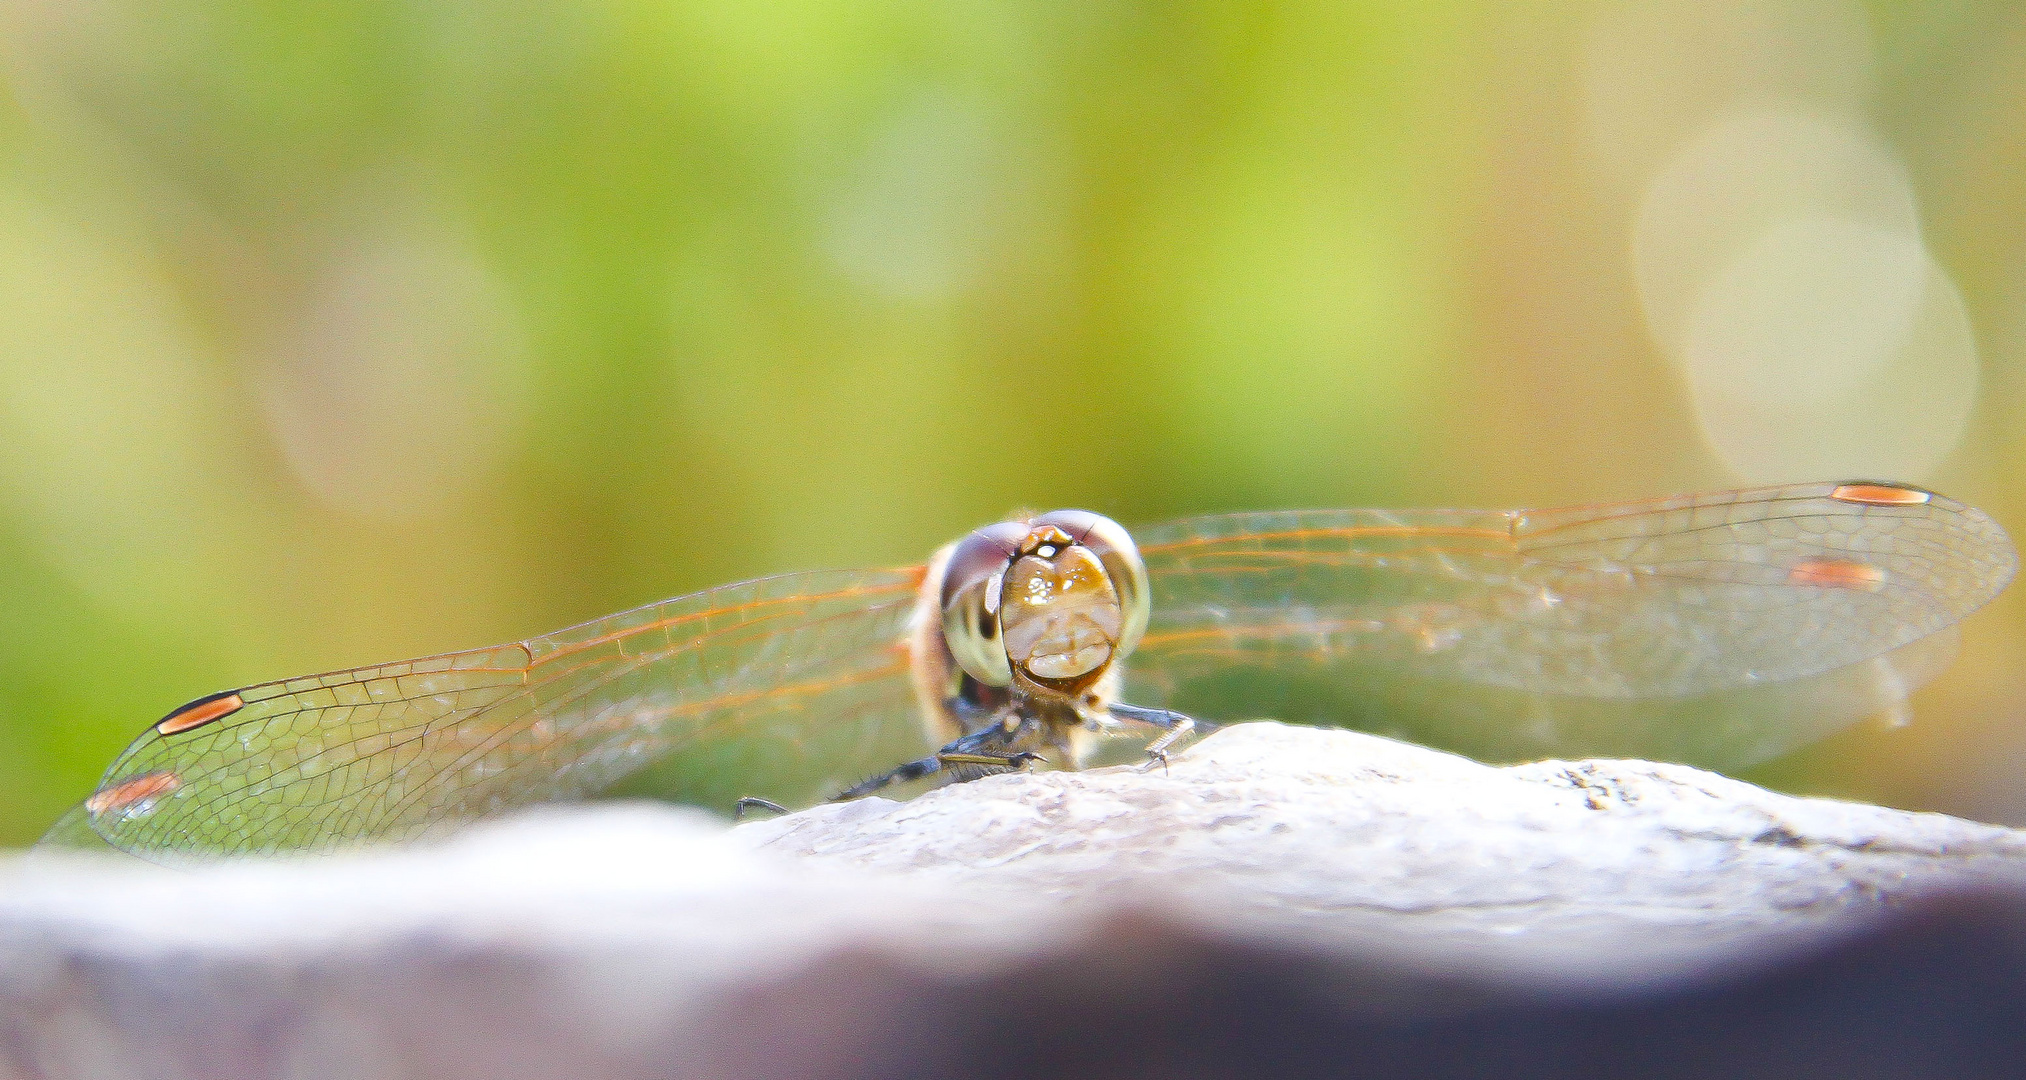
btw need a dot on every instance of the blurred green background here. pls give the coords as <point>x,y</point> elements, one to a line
<point>335,332</point>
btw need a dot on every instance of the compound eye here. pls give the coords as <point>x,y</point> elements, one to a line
<point>972,580</point>
<point>1120,557</point>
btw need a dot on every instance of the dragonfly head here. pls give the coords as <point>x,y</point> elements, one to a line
<point>1052,601</point>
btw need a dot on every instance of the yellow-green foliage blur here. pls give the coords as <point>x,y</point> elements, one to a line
<point>333,333</point>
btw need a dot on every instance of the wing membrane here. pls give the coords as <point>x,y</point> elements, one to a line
<point>1681,598</point>
<point>806,671</point>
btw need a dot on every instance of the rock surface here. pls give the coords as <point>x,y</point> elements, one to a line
<point>1589,869</point>
<point>1345,883</point>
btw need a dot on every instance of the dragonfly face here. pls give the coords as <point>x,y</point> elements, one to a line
<point>1717,629</point>
<point>1050,604</point>
<point>1026,622</point>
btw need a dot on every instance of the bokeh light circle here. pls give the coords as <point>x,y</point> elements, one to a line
<point>1779,261</point>
<point>1830,348</point>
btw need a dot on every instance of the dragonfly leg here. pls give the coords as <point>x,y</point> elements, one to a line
<point>981,753</point>
<point>751,802</point>
<point>1175,727</point>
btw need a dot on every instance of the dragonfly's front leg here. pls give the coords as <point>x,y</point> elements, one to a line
<point>981,753</point>
<point>1174,728</point>
<point>754,802</point>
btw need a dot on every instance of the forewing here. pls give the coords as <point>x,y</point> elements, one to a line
<point>806,673</point>
<point>1673,598</point>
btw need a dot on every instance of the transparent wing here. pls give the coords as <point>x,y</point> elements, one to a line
<point>1534,631</point>
<point>806,673</point>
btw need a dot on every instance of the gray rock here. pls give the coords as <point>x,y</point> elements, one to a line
<point>651,941</point>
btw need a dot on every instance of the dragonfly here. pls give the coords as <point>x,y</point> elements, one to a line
<point>1718,629</point>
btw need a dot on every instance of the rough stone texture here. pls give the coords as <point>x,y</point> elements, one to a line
<point>1279,901</point>
<point>1591,868</point>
